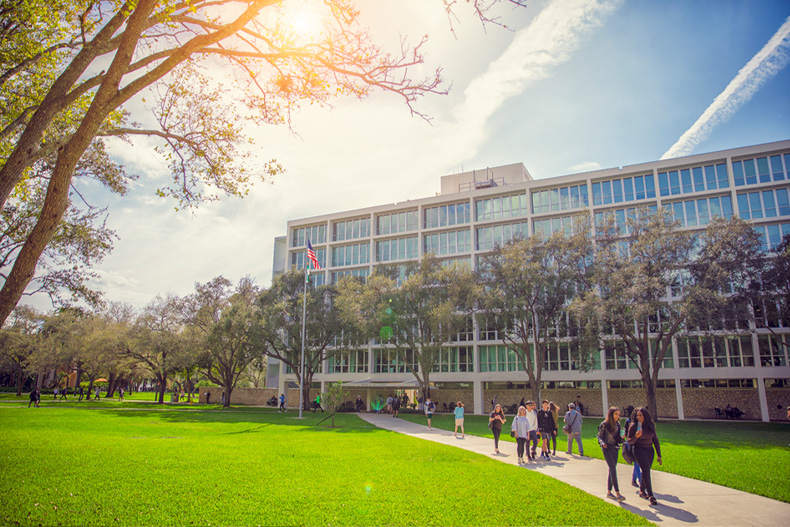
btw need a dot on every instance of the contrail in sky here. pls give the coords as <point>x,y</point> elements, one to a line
<point>765,64</point>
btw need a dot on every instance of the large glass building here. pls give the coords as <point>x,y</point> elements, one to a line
<point>479,209</point>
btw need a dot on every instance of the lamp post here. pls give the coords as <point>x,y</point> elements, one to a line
<point>304,330</point>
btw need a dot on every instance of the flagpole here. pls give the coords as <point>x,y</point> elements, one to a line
<point>304,315</point>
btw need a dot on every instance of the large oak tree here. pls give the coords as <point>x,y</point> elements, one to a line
<point>69,68</point>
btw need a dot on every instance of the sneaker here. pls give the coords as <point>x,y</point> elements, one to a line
<point>620,497</point>
<point>611,496</point>
<point>547,457</point>
<point>653,501</point>
<point>634,483</point>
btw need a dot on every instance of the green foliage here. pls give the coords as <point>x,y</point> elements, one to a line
<point>418,315</point>
<point>205,467</point>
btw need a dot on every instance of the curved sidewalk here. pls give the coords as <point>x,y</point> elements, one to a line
<point>681,501</point>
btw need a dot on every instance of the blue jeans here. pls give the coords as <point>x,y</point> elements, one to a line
<point>637,474</point>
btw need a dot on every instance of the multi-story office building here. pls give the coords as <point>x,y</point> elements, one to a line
<point>477,210</point>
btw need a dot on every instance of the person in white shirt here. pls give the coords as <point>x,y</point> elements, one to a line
<point>532,430</point>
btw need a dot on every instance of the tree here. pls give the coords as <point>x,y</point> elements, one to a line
<point>773,298</point>
<point>418,317</point>
<point>68,69</point>
<point>156,340</point>
<point>225,320</point>
<point>333,398</point>
<point>19,340</point>
<point>279,326</point>
<point>652,285</point>
<point>531,282</point>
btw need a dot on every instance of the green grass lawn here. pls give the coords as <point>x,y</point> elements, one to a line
<point>742,455</point>
<point>135,463</point>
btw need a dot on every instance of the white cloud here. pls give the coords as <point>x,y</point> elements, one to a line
<point>587,166</point>
<point>765,64</point>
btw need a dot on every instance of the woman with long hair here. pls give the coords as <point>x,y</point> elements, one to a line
<point>610,440</point>
<point>520,429</point>
<point>495,422</point>
<point>642,436</point>
<point>459,419</point>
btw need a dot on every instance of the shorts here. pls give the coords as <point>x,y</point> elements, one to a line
<point>532,435</point>
<point>459,422</point>
<point>428,415</point>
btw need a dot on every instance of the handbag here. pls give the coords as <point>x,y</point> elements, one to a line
<point>512,433</point>
<point>628,453</point>
<point>567,426</point>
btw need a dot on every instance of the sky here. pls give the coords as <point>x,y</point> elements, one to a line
<point>569,86</point>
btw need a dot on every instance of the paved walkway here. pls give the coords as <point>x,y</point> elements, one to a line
<point>681,501</point>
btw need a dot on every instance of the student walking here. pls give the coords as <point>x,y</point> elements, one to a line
<point>642,436</point>
<point>282,404</point>
<point>609,438</point>
<point>98,391</point>
<point>520,429</point>
<point>82,394</point>
<point>318,404</point>
<point>495,422</point>
<point>120,393</point>
<point>636,475</point>
<point>532,418</point>
<point>359,404</point>
<point>459,419</point>
<point>573,420</point>
<point>395,406</point>
<point>547,428</point>
<point>33,398</point>
<point>430,408</point>
<point>554,409</point>
<point>63,393</point>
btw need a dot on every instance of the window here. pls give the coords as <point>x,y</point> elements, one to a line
<point>564,198</point>
<point>448,242</point>
<point>396,222</point>
<point>457,359</point>
<point>387,360</point>
<point>771,235</point>
<point>694,179</point>
<point>699,212</point>
<point>355,254</point>
<point>355,361</point>
<point>316,234</point>
<point>773,350</point>
<point>335,276</point>
<point>447,215</point>
<point>298,258</point>
<point>500,358</point>
<point>716,352</point>
<point>351,229</point>
<point>507,206</point>
<point>765,204</point>
<point>397,249</point>
<point>487,237</point>
<point>760,170</point>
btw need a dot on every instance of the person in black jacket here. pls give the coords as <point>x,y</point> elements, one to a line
<point>547,428</point>
<point>642,436</point>
<point>610,440</point>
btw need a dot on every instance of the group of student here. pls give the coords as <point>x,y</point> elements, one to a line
<point>638,435</point>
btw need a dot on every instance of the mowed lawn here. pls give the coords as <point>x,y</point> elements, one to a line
<point>749,456</point>
<point>131,463</point>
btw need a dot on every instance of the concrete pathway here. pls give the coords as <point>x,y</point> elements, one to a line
<point>681,501</point>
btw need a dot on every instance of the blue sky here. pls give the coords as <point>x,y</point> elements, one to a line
<point>573,86</point>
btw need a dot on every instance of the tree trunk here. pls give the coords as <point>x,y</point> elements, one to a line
<point>111,383</point>
<point>90,388</point>
<point>650,394</point>
<point>162,387</point>
<point>20,380</point>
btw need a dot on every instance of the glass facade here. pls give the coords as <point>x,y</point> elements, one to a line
<point>695,179</point>
<point>761,170</point>
<point>350,229</point>
<point>488,237</point>
<point>447,215</point>
<point>625,189</point>
<point>396,222</point>
<point>559,199</point>
<point>316,234</point>
<point>397,249</point>
<point>452,242</point>
<point>699,212</point>
<point>764,204</point>
<point>501,207</point>
<point>354,254</point>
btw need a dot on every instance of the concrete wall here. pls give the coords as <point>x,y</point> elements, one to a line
<point>562,397</point>
<point>698,403</point>
<point>666,400</point>
<point>451,397</point>
<point>778,401</point>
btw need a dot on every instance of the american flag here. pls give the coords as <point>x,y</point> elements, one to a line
<point>311,256</point>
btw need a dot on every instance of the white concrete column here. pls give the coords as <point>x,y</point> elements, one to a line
<point>679,399</point>
<point>763,400</point>
<point>478,397</point>
<point>605,397</point>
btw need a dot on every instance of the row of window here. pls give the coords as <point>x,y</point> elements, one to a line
<point>396,222</point>
<point>693,352</point>
<point>397,249</point>
<point>501,207</point>
<point>557,199</point>
<point>760,170</point>
<point>488,237</point>
<point>316,234</point>
<point>447,215</point>
<point>625,189</point>
<point>350,229</point>
<point>771,235</point>
<point>697,179</point>
<point>764,204</point>
<point>699,212</point>
<point>354,254</point>
<point>448,242</point>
